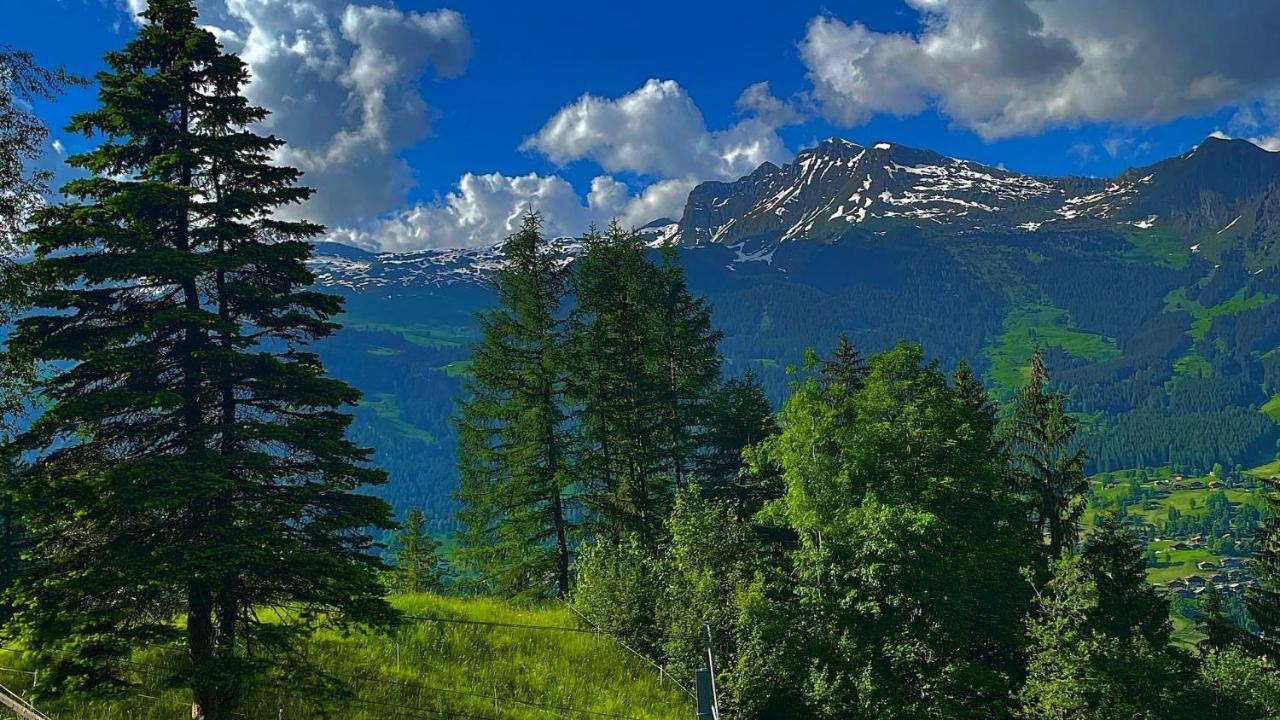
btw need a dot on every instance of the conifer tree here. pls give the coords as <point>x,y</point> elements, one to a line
<point>1263,601</point>
<point>741,416</point>
<point>513,438</point>
<point>686,362</point>
<point>1047,465</point>
<point>192,458</point>
<point>846,366</point>
<point>418,564</point>
<point>1100,638</point>
<point>622,424</point>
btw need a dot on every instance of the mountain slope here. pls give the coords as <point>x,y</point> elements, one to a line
<point>1153,294</point>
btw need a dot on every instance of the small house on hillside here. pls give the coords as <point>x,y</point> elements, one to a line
<point>1205,565</point>
<point>1194,581</point>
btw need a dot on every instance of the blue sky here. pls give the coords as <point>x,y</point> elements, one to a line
<point>415,119</point>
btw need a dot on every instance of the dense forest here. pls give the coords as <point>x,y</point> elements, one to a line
<point>889,545</point>
<point>186,506</point>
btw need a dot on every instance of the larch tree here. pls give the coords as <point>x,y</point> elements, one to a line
<point>191,462</point>
<point>1047,464</point>
<point>513,435</point>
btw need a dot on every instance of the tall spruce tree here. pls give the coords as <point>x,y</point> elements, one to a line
<point>622,427</point>
<point>1047,465</point>
<point>191,461</point>
<point>846,366</point>
<point>513,440</point>
<point>686,361</point>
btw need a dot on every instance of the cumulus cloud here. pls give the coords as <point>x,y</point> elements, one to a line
<point>1009,67</point>
<point>758,100</point>
<point>655,136</point>
<point>655,130</point>
<point>341,81</point>
<point>483,209</point>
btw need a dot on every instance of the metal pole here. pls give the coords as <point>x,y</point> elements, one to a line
<point>711,672</point>
<point>702,682</point>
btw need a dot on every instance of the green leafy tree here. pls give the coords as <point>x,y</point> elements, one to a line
<point>191,460</point>
<point>1100,638</point>
<point>1046,463</point>
<point>417,565</point>
<point>513,435</point>
<point>910,543</point>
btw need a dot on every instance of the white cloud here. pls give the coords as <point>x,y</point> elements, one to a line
<point>1008,67</point>
<point>758,100</point>
<point>656,130</point>
<point>484,209</point>
<point>341,81</point>
<point>655,134</point>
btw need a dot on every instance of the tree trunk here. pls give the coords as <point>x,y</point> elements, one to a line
<point>205,697</point>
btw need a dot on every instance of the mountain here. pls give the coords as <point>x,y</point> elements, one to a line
<point>1153,294</point>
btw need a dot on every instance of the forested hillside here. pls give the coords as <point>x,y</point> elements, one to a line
<point>1164,332</point>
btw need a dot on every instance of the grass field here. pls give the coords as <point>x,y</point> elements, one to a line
<point>1271,408</point>
<point>384,406</point>
<point>1026,326</point>
<point>1202,317</point>
<point>438,670</point>
<point>1165,248</point>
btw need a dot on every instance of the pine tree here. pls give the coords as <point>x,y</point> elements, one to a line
<point>1219,633</point>
<point>1046,464</point>
<point>191,458</point>
<point>972,395</point>
<point>417,563</point>
<point>513,439</point>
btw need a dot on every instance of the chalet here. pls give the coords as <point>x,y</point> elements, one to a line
<point>1231,562</point>
<point>1175,584</point>
<point>1195,485</point>
<point>1179,546</point>
<point>1194,581</point>
<point>1205,565</point>
<point>1109,486</point>
<point>1215,485</point>
<point>1196,539</point>
<point>1176,477</point>
<point>1218,579</point>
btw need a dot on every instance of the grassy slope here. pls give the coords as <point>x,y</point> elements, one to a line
<point>1202,318</point>
<point>384,406</point>
<point>443,670</point>
<point>1025,326</point>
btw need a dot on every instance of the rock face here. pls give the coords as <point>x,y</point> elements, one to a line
<point>838,185</point>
